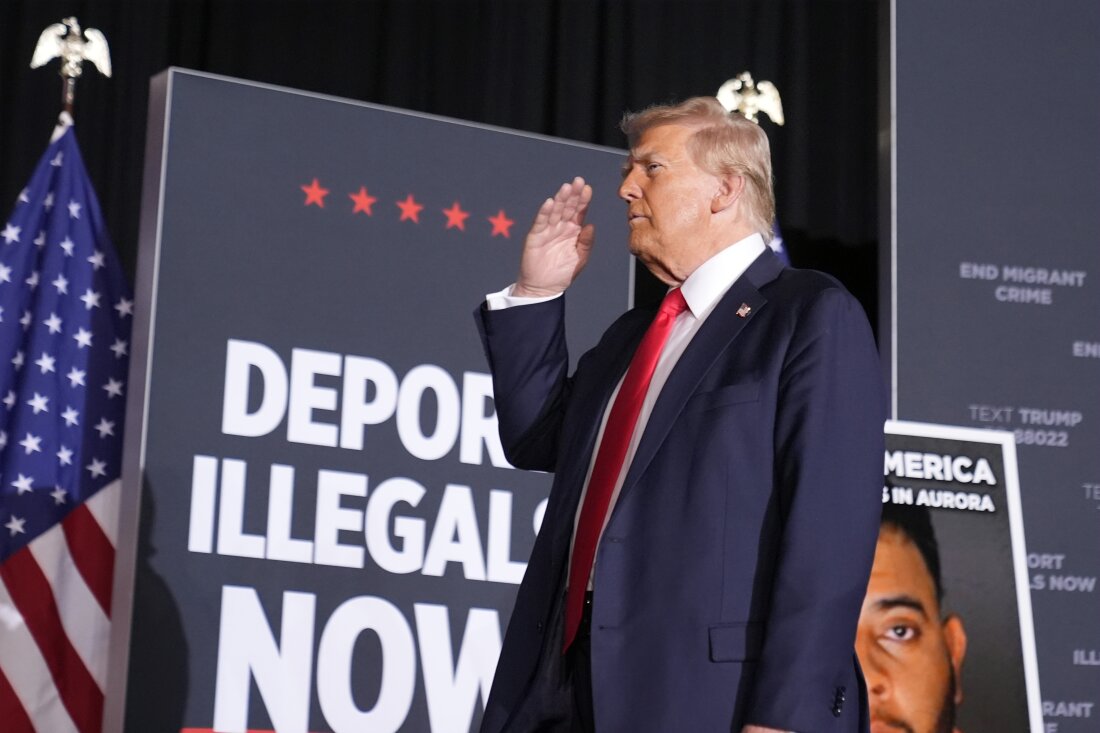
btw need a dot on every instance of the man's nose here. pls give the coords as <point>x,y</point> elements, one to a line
<point>878,681</point>
<point>629,189</point>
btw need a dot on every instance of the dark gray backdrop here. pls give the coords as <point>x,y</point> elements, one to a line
<point>998,163</point>
<point>233,251</point>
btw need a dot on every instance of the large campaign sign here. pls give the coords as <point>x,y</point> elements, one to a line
<point>323,533</point>
<point>996,285</point>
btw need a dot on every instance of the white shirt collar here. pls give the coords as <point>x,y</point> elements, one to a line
<point>710,281</point>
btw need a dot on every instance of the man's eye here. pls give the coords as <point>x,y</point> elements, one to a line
<point>652,167</point>
<point>901,632</point>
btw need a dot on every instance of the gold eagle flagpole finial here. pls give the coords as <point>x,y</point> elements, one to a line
<point>742,94</point>
<point>65,40</point>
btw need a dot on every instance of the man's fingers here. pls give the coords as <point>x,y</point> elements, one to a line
<point>584,200</point>
<point>543,216</point>
<point>568,205</point>
<point>560,199</point>
<point>558,244</point>
<point>576,201</point>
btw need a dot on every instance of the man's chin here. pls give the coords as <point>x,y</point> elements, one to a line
<point>890,726</point>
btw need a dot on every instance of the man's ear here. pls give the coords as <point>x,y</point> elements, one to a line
<point>730,188</point>
<point>954,636</point>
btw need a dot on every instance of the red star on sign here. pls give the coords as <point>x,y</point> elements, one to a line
<point>315,194</point>
<point>363,201</point>
<point>410,209</point>
<point>456,217</point>
<point>501,224</point>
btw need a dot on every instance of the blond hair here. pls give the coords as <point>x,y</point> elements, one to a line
<point>725,144</point>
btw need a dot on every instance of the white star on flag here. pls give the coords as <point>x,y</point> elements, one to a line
<point>32,280</point>
<point>119,347</point>
<point>17,360</point>
<point>58,495</point>
<point>105,427</point>
<point>65,456</point>
<point>25,321</point>
<point>5,274</point>
<point>47,203</point>
<point>61,284</point>
<point>97,468</point>
<point>91,299</point>
<point>11,233</point>
<point>15,525</point>
<point>23,199</point>
<point>113,387</point>
<point>97,260</point>
<point>38,403</point>
<point>72,417</point>
<point>46,362</point>
<point>31,444</point>
<point>83,338</point>
<point>53,323</point>
<point>74,210</point>
<point>9,399</point>
<point>23,484</point>
<point>124,308</point>
<point>40,240</point>
<point>75,377</point>
<point>67,245</point>
<point>57,160</point>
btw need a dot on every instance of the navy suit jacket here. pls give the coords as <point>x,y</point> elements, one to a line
<point>730,575</point>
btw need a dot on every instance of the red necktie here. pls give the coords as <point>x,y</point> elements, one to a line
<point>610,455</point>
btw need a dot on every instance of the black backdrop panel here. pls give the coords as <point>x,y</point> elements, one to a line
<point>328,538</point>
<point>998,284</point>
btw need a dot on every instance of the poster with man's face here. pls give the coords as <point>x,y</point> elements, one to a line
<point>945,634</point>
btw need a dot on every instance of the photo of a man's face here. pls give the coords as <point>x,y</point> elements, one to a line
<point>911,656</point>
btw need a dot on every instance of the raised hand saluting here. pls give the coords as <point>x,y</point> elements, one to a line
<point>558,245</point>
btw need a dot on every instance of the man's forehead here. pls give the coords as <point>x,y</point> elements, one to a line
<point>663,139</point>
<point>900,568</point>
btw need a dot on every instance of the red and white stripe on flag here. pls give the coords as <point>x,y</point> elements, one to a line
<point>55,600</point>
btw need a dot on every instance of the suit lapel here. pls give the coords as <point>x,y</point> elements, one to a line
<point>593,395</point>
<point>722,326</point>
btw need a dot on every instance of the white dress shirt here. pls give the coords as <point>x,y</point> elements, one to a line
<point>702,290</point>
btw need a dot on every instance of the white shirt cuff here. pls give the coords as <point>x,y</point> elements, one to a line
<point>504,299</point>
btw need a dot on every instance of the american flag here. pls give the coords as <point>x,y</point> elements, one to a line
<point>65,314</point>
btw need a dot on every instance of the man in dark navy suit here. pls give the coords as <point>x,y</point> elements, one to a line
<point>718,465</point>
